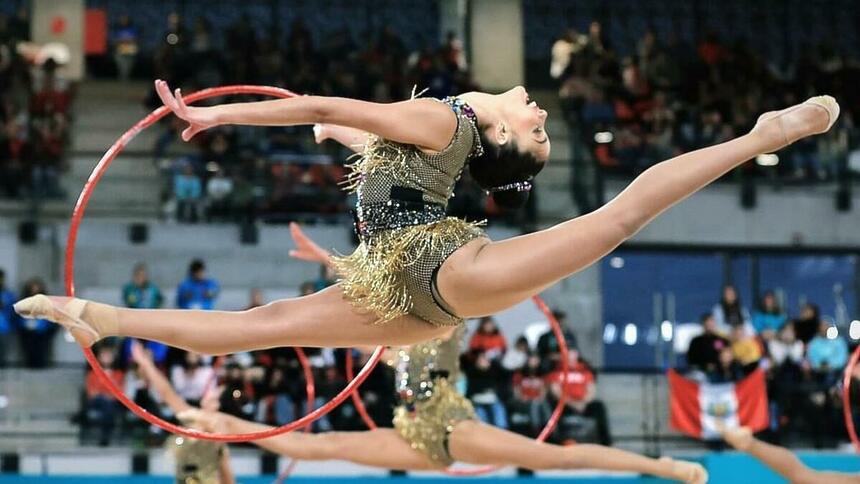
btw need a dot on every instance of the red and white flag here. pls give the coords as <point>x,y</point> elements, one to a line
<point>700,409</point>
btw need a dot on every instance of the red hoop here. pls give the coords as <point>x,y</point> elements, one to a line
<point>77,218</point>
<point>551,424</point>
<point>846,398</point>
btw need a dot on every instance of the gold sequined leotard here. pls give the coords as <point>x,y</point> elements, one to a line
<point>430,405</point>
<point>197,461</point>
<point>400,220</point>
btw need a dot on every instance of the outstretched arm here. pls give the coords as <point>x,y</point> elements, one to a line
<point>352,138</point>
<point>783,461</point>
<point>421,122</point>
<point>159,382</point>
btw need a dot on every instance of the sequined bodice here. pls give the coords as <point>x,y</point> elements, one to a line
<point>197,461</point>
<point>399,185</point>
<point>417,367</point>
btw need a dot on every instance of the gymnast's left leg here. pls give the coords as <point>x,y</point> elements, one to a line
<point>478,443</point>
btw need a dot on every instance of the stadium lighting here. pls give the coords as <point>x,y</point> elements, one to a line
<point>616,262</point>
<point>603,137</point>
<point>610,332</point>
<point>832,332</point>
<point>666,330</point>
<point>769,159</point>
<point>630,334</point>
<point>854,330</point>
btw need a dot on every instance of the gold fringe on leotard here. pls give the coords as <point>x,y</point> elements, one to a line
<point>374,277</point>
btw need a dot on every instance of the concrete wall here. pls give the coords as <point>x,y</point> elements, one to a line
<point>497,53</point>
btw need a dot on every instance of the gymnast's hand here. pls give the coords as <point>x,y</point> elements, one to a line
<point>199,119</point>
<point>139,354</point>
<point>307,249</point>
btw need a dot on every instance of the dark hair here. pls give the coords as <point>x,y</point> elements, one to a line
<point>705,317</point>
<point>503,164</point>
<point>197,265</point>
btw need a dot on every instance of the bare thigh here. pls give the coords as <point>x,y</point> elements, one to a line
<point>474,442</point>
<point>327,319</point>
<point>379,448</point>
<point>484,277</point>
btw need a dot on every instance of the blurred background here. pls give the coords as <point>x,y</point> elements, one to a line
<point>757,273</point>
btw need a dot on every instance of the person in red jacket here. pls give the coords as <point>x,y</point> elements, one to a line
<point>101,406</point>
<point>488,340</point>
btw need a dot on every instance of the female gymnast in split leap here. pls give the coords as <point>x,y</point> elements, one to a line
<point>417,272</point>
<point>434,426</point>
<point>199,461</point>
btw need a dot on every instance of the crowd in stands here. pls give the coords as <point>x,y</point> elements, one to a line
<point>277,173</point>
<point>35,116</point>
<point>628,113</point>
<point>803,357</point>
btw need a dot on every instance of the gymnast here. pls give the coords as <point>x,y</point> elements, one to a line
<point>416,272</point>
<point>199,461</point>
<point>434,426</point>
<point>783,461</point>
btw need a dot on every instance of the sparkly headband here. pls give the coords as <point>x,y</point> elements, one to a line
<point>520,186</point>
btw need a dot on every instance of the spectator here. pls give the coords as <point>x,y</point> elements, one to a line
<point>827,353</point>
<point>140,293</point>
<point>547,346</point>
<point>192,379</point>
<point>197,291</point>
<point>280,394</point>
<point>218,191</point>
<point>745,348</point>
<point>102,406</point>
<point>188,191</point>
<point>125,46</point>
<point>530,391</point>
<point>703,354</point>
<point>785,348</point>
<point>516,357</point>
<point>484,377</point>
<point>728,369</point>
<point>8,317</point>
<point>579,385</point>
<point>730,312</point>
<point>237,399</point>
<point>563,48</point>
<point>769,318</point>
<point>488,339</point>
<point>36,336</point>
<point>326,278</point>
<point>808,324</point>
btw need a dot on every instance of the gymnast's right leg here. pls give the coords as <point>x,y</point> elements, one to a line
<point>323,319</point>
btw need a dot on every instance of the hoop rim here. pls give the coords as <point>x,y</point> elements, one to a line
<point>71,243</point>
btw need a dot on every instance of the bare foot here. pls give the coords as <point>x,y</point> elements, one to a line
<point>686,472</point>
<point>781,128</point>
<point>740,438</point>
